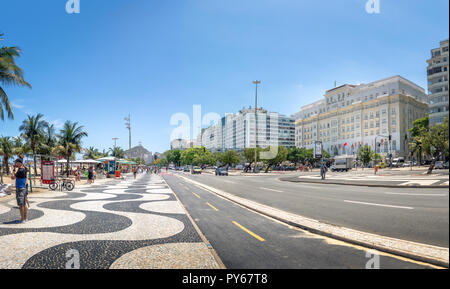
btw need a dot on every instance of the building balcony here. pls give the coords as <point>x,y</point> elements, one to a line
<point>438,74</point>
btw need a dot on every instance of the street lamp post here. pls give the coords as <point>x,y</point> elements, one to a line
<point>128,126</point>
<point>115,141</point>
<point>256,82</point>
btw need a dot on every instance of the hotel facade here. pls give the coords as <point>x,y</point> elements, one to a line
<point>437,73</point>
<point>378,114</point>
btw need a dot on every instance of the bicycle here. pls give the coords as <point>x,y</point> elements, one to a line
<point>66,184</point>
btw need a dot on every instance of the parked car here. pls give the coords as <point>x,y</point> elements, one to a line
<point>221,171</point>
<point>407,164</point>
<point>186,169</point>
<point>446,166</point>
<point>196,170</point>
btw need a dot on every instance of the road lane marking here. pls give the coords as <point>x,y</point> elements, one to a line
<point>196,195</point>
<point>230,182</point>
<point>270,190</point>
<point>214,208</point>
<point>248,231</point>
<point>379,205</point>
<point>408,194</point>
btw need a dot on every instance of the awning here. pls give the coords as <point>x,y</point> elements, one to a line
<point>63,161</point>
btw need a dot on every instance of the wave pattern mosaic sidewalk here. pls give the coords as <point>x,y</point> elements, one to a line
<point>132,224</point>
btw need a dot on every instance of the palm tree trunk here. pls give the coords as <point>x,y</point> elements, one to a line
<point>5,164</point>
<point>69,155</point>
<point>34,159</point>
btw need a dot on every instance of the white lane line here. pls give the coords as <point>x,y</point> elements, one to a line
<point>379,205</point>
<point>230,182</point>
<point>270,190</point>
<point>408,194</point>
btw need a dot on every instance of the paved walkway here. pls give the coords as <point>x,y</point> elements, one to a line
<point>112,224</point>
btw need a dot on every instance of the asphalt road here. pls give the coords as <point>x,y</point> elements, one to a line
<point>419,215</point>
<point>244,239</point>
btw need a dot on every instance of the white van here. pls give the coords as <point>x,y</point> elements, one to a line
<point>398,162</point>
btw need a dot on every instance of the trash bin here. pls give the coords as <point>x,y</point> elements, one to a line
<point>117,174</point>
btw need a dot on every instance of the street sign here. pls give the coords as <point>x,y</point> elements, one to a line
<point>318,149</point>
<point>48,172</point>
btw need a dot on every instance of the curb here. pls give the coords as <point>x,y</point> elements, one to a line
<point>416,251</point>
<point>363,185</point>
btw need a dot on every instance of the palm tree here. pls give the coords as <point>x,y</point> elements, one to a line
<point>32,130</point>
<point>48,143</point>
<point>10,74</point>
<point>117,152</point>
<point>91,153</point>
<point>105,153</point>
<point>7,151</point>
<point>20,148</point>
<point>70,138</point>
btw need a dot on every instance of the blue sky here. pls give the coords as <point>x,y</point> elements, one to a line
<point>154,58</point>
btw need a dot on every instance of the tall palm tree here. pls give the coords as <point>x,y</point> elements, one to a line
<point>117,152</point>
<point>21,148</point>
<point>70,138</point>
<point>32,130</point>
<point>91,153</point>
<point>7,151</point>
<point>10,74</point>
<point>49,141</point>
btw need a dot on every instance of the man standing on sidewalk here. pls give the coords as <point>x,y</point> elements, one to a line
<point>21,188</point>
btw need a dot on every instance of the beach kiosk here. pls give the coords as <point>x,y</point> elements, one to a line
<point>110,165</point>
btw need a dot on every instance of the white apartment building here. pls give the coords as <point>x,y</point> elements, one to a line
<point>237,131</point>
<point>350,116</point>
<point>437,72</point>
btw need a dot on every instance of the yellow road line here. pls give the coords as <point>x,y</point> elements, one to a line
<point>248,231</point>
<point>215,209</point>
<point>196,195</point>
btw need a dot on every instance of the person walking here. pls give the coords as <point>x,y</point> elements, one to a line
<point>323,170</point>
<point>20,176</point>
<point>134,172</point>
<point>78,174</point>
<point>90,175</point>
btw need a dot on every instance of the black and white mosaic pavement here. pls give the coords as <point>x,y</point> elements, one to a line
<point>117,224</point>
